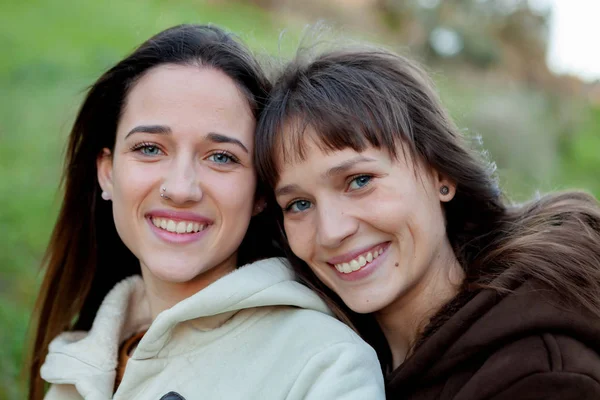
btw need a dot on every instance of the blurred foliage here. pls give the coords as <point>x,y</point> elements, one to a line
<point>543,136</point>
<point>580,155</point>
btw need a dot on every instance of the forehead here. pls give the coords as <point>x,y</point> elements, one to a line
<point>188,97</point>
<point>301,145</point>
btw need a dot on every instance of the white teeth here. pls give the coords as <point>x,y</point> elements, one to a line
<point>358,263</point>
<point>178,227</point>
<point>181,227</point>
<point>171,226</point>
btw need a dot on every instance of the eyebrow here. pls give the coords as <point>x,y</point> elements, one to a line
<point>338,169</point>
<point>158,129</point>
<point>345,166</point>
<point>287,189</point>
<point>165,130</point>
<point>220,138</point>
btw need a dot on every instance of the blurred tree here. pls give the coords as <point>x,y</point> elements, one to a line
<point>508,34</point>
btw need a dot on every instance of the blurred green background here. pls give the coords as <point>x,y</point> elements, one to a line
<point>488,61</point>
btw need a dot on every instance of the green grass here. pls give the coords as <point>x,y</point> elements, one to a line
<point>580,166</point>
<point>52,50</point>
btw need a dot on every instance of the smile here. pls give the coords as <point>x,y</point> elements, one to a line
<point>178,226</point>
<point>358,262</point>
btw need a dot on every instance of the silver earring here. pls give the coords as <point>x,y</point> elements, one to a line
<point>444,190</point>
<point>105,195</point>
<point>163,193</point>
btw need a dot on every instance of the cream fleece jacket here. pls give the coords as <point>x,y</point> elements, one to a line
<point>256,333</point>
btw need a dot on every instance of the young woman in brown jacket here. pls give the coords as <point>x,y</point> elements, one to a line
<point>390,214</point>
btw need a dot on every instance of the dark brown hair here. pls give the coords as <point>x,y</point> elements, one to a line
<point>85,257</point>
<point>372,97</point>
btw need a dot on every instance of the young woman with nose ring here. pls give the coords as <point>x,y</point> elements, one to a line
<point>162,277</point>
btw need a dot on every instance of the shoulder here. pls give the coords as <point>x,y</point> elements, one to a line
<point>310,326</point>
<point>550,364</point>
<point>312,354</point>
<point>313,339</point>
<point>335,362</point>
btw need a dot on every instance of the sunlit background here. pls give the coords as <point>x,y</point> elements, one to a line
<point>522,75</point>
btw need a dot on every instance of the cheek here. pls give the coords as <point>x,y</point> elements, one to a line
<point>131,178</point>
<point>298,237</point>
<point>387,209</point>
<point>133,184</point>
<point>427,224</point>
<point>233,192</point>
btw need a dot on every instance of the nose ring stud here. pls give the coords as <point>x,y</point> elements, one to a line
<point>163,193</point>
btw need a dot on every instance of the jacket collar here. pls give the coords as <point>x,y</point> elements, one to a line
<point>487,322</point>
<point>89,359</point>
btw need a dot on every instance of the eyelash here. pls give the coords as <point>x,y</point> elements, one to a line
<point>355,177</point>
<point>352,179</point>
<point>233,158</point>
<point>288,208</point>
<point>143,145</point>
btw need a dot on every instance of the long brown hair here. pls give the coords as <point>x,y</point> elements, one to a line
<point>361,97</point>
<point>85,257</point>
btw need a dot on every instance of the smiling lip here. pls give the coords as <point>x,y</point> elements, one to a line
<point>364,270</point>
<point>196,226</point>
<point>179,216</point>
<point>354,254</point>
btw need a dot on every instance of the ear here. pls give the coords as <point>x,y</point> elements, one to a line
<point>104,167</point>
<point>446,189</point>
<point>259,205</point>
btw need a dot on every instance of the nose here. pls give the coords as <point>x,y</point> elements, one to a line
<point>181,184</point>
<point>334,226</point>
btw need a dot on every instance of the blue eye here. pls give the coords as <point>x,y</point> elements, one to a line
<point>150,150</point>
<point>299,206</point>
<point>147,149</point>
<point>360,181</point>
<point>222,158</point>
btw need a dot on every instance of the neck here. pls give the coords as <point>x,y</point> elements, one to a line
<point>162,294</point>
<point>403,320</point>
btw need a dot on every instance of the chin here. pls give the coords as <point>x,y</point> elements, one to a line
<point>180,274</point>
<point>366,305</point>
<point>364,308</point>
<point>174,276</point>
